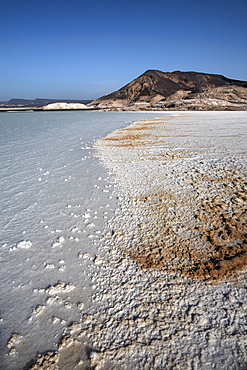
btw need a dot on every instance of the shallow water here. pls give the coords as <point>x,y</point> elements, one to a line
<point>55,199</point>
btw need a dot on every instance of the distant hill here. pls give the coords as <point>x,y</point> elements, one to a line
<point>178,90</point>
<point>65,106</point>
<point>37,103</point>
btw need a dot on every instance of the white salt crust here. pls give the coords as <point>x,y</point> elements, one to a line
<point>161,318</point>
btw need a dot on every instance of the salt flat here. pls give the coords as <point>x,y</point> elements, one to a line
<point>169,274</point>
<point>174,284</point>
<point>186,176</point>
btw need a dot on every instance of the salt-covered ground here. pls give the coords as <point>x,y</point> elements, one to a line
<point>182,182</point>
<point>169,273</point>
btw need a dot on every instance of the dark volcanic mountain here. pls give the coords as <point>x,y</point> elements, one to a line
<point>178,90</point>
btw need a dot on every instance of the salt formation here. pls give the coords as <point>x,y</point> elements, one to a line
<point>169,290</point>
<point>60,287</point>
<point>65,106</point>
<point>23,244</point>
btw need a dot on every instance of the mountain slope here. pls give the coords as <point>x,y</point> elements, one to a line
<point>156,89</point>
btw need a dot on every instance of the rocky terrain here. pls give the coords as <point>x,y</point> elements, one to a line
<point>156,90</point>
<point>177,91</point>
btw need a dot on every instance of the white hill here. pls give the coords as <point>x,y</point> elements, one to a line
<point>65,106</point>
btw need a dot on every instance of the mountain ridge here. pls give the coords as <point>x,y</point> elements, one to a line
<point>38,102</point>
<point>157,89</point>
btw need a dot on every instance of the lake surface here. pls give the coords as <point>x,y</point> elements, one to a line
<point>55,198</point>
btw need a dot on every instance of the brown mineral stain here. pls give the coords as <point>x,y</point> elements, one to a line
<point>166,156</point>
<point>212,246</point>
<point>133,135</point>
<point>142,126</point>
<point>224,238</point>
<point>128,139</point>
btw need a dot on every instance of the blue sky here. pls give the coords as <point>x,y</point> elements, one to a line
<point>84,49</point>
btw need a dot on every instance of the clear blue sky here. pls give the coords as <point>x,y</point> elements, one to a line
<point>84,49</point>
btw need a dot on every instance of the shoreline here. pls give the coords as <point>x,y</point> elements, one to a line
<point>158,302</point>
<point>129,109</point>
<point>57,237</point>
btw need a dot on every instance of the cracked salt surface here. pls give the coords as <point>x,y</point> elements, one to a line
<point>170,289</point>
<point>156,300</point>
<point>181,302</point>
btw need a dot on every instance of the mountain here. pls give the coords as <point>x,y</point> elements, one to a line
<point>177,90</point>
<point>37,103</point>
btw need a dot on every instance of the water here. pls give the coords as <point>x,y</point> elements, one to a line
<point>55,200</point>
